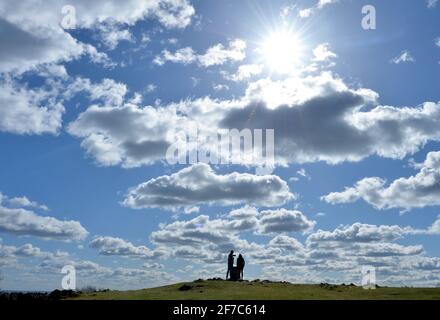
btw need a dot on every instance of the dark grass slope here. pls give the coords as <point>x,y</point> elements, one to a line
<point>264,290</point>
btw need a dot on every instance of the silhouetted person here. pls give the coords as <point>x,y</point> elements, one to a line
<point>230,263</point>
<point>240,265</point>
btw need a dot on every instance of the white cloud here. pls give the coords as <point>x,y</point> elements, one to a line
<point>27,46</point>
<point>10,254</point>
<point>174,13</point>
<point>87,14</point>
<point>341,251</point>
<point>98,57</point>
<point>145,39</point>
<point>303,174</point>
<point>92,273</point>
<point>208,240</point>
<point>320,4</point>
<point>386,250</point>
<point>244,72</point>
<point>37,266</point>
<point>199,238</point>
<point>435,227</point>
<point>347,196</point>
<point>416,191</point>
<point>431,3</point>
<point>136,99</point>
<point>22,221</point>
<point>286,11</point>
<point>53,71</point>
<point>282,220</point>
<point>323,3</point>
<point>183,55</point>
<point>215,55</point>
<point>327,121</point>
<point>108,91</point>
<point>195,81</point>
<point>323,53</point>
<point>29,111</point>
<point>23,202</point>
<point>305,13</point>
<point>151,88</point>
<point>286,243</point>
<point>89,272</point>
<point>199,184</point>
<point>111,246</point>
<point>347,248</point>
<point>218,54</point>
<point>33,35</point>
<point>113,34</point>
<point>220,87</point>
<point>128,135</point>
<point>358,232</point>
<point>404,57</point>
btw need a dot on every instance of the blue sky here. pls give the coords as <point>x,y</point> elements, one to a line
<point>87,113</point>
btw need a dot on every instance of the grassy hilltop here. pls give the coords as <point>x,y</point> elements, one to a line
<point>263,290</point>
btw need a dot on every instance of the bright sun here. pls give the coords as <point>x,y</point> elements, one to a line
<point>282,51</point>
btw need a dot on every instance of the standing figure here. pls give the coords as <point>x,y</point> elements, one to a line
<point>240,265</point>
<point>230,263</point>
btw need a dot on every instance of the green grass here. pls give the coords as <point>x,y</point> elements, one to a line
<point>226,290</point>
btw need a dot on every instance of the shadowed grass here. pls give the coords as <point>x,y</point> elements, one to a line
<point>262,290</point>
